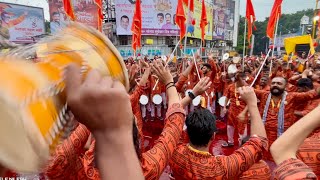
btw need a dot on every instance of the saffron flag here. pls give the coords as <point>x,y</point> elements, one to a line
<point>136,27</point>
<point>275,14</point>
<point>251,18</point>
<point>203,21</point>
<point>68,8</point>
<point>100,15</point>
<point>180,19</point>
<point>191,6</point>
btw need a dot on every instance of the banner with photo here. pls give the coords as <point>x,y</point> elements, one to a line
<point>86,12</point>
<point>158,17</point>
<point>230,15</point>
<point>20,24</point>
<point>220,8</point>
<point>194,30</point>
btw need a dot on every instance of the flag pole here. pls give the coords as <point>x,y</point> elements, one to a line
<point>186,36</point>
<point>274,42</point>
<point>244,42</point>
<point>275,35</point>
<point>252,44</point>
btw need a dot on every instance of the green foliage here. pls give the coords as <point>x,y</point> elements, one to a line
<point>288,23</point>
<point>47,26</point>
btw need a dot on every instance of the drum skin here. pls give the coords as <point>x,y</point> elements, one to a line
<point>32,95</point>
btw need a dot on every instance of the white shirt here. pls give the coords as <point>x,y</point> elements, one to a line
<point>122,31</point>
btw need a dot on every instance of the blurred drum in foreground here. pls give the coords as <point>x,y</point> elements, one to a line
<point>33,109</point>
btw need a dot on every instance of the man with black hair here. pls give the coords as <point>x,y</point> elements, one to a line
<point>55,24</point>
<point>160,18</point>
<point>306,85</point>
<point>193,160</point>
<point>123,28</point>
<point>234,123</point>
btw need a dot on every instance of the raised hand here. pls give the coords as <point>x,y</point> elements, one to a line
<point>248,95</point>
<point>202,86</point>
<point>100,103</point>
<point>162,73</point>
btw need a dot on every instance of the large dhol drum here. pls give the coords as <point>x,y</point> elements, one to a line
<point>34,111</point>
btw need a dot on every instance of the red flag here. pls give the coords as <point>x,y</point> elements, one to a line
<point>186,2</point>
<point>136,26</point>
<point>181,19</point>
<point>204,21</point>
<point>68,8</point>
<point>100,15</point>
<point>251,18</point>
<point>275,14</point>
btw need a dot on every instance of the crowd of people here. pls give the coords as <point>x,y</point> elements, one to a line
<point>271,117</point>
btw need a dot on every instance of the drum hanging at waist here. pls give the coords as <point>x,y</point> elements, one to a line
<point>144,100</point>
<point>157,99</point>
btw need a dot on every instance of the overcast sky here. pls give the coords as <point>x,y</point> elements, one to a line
<point>262,7</point>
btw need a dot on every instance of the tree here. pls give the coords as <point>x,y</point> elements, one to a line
<point>47,27</point>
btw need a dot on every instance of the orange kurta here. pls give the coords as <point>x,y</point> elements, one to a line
<point>259,171</point>
<point>71,162</point>
<point>293,169</point>
<point>135,105</point>
<point>292,101</point>
<point>234,109</point>
<point>186,163</point>
<point>309,153</point>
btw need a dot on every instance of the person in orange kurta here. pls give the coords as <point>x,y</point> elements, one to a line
<point>277,108</point>
<point>71,161</point>
<point>235,108</point>
<point>259,171</point>
<point>264,84</point>
<point>285,150</point>
<point>210,70</point>
<point>194,162</point>
<point>155,90</point>
<point>309,152</point>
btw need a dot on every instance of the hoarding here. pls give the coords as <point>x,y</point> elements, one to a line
<point>220,17</point>
<point>86,12</point>
<point>157,17</point>
<point>20,24</point>
<point>194,30</point>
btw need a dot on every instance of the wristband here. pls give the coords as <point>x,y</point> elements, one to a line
<point>191,95</point>
<point>169,83</point>
<point>171,86</point>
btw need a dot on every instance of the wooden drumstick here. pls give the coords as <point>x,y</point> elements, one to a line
<point>195,63</point>
<point>170,59</point>
<point>265,60</point>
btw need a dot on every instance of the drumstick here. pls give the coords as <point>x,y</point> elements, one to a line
<point>170,59</point>
<point>195,63</point>
<point>265,60</point>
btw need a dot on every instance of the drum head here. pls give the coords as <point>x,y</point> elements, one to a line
<point>232,69</point>
<point>22,138</point>
<point>187,91</point>
<point>157,99</point>
<point>196,101</point>
<point>222,101</point>
<point>144,99</point>
<point>236,60</point>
